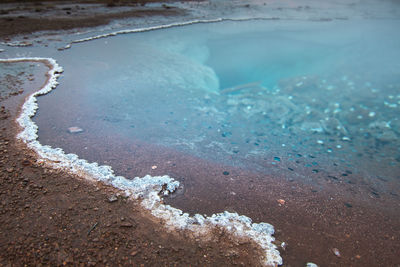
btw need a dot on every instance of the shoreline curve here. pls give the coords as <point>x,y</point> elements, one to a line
<point>146,189</point>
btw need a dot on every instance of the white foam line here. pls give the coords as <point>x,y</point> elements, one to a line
<point>16,44</point>
<point>147,189</point>
<point>164,26</point>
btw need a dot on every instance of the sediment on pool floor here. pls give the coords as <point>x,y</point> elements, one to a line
<point>64,209</point>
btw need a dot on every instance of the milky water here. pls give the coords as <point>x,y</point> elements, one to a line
<point>320,99</point>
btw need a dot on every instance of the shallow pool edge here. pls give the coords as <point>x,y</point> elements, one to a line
<point>147,189</point>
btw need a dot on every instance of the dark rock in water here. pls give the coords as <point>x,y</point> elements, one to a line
<point>333,177</point>
<point>348,205</point>
<point>375,194</point>
<point>225,173</point>
<point>226,134</point>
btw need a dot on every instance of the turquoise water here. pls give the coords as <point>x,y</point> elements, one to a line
<point>319,99</point>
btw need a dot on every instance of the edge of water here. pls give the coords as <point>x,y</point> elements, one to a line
<point>159,27</point>
<point>147,189</point>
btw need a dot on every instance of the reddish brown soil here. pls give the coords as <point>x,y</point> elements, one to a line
<point>23,25</point>
<point>33,16</point>
<point>52,218</point>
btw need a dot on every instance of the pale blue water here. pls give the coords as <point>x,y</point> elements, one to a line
<point>320,99</point>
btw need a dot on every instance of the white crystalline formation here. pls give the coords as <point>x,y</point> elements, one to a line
<point>147,189</point>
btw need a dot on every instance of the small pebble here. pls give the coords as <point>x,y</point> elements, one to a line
<point>336,252</point>
<point>348,205</point>
<point>74,130</point>
<point>133,253</point>
<point>113,198</point>
<point>126,224</point>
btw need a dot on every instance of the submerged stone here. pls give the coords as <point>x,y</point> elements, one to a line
<point>348,205</point>
<point>75,130</point>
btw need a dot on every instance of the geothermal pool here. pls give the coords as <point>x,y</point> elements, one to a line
<point>315,101</point>
<point>242,113</point>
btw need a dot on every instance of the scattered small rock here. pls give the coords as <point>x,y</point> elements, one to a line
<point>154,167</point>
<point>336,252</point>
<point>134,253</point>
<point>281,201</point>
<point>113,198</point>
<point>126,225</point>
<point>348,205</point>
<point>75,130</point>
<point>310,264</point>
<point>26,162</point>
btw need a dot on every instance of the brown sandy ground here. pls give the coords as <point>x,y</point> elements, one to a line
<point>24,17</point>
<point>49,217</point>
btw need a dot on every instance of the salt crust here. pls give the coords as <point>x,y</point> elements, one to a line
<point>16,44</point>
<point>159,27</point>
<point>147,189</point>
